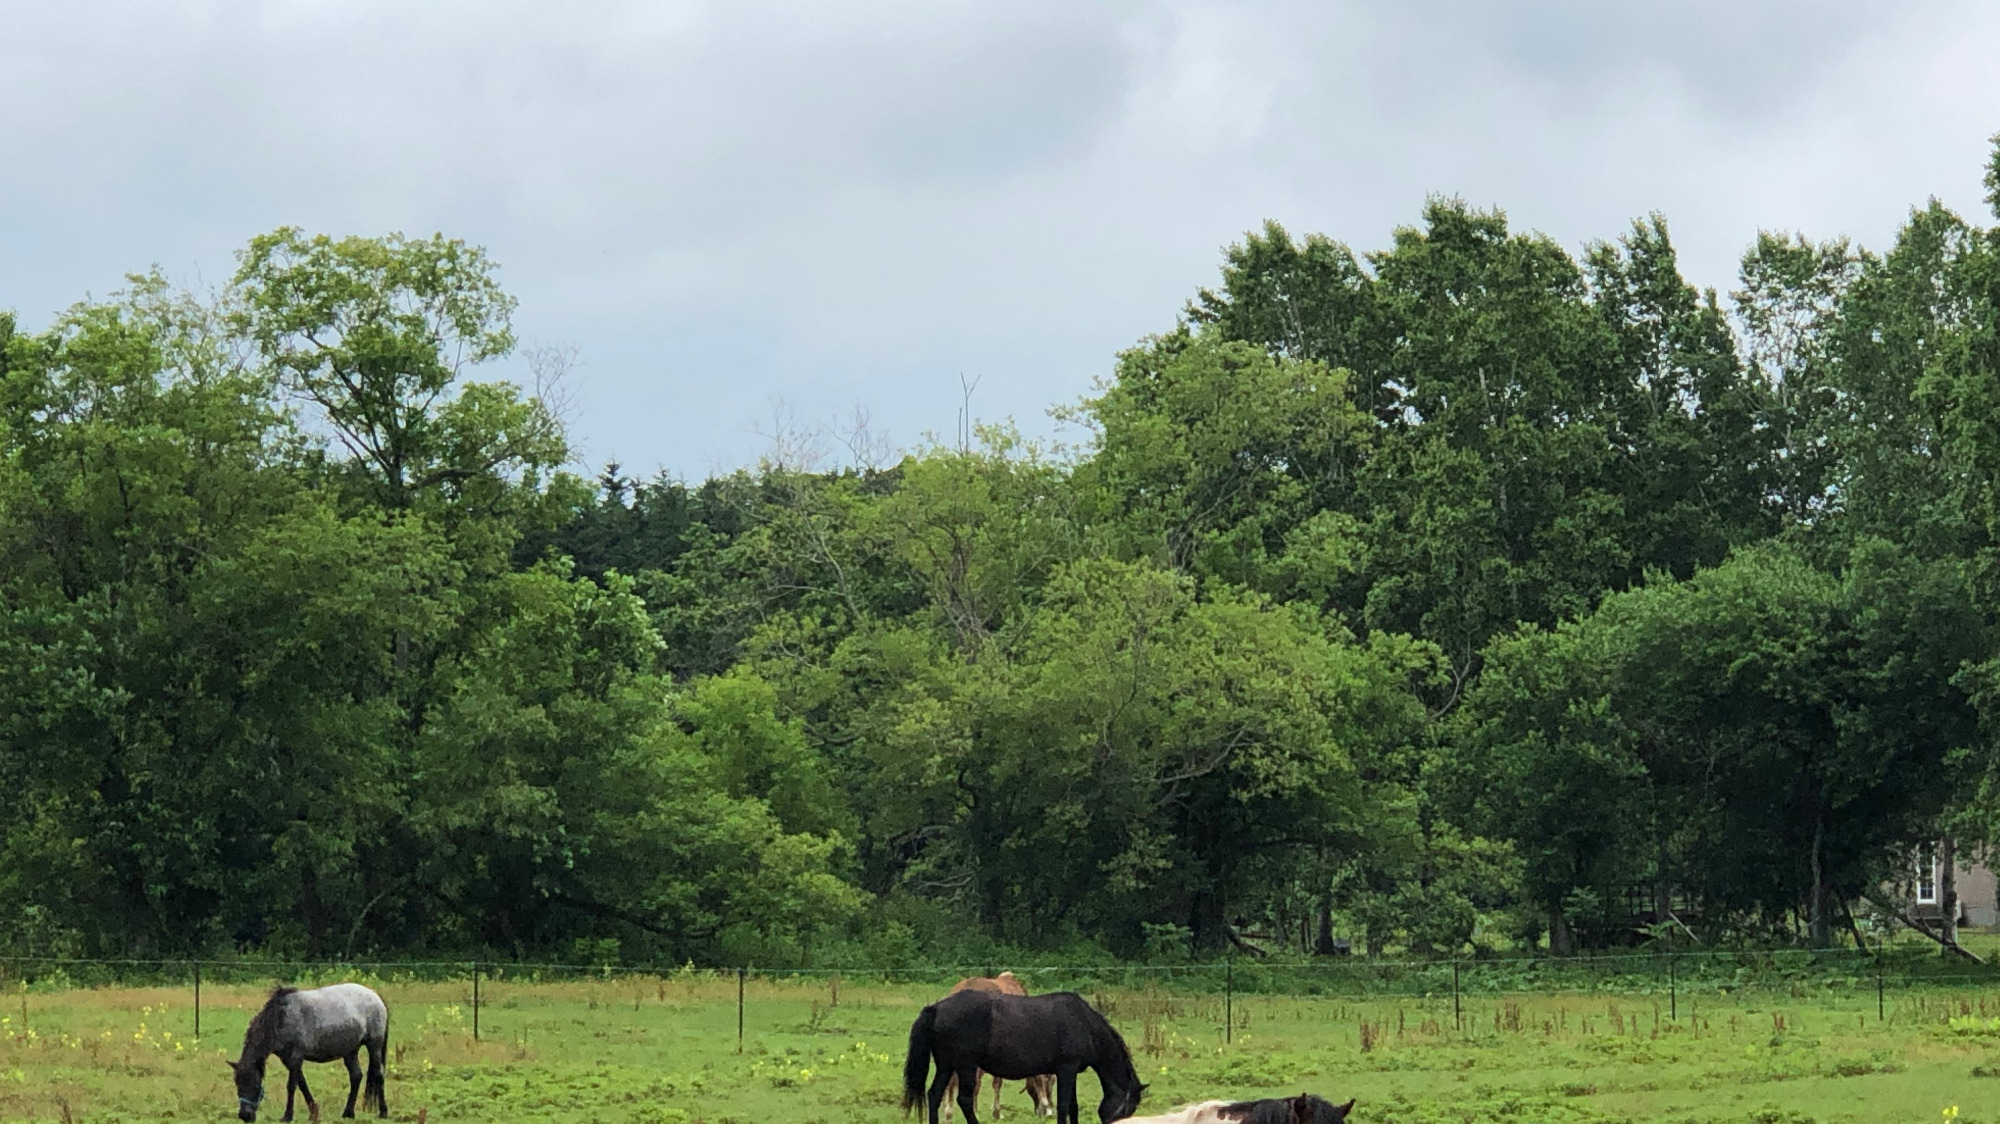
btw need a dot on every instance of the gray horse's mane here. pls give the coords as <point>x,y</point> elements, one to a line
<point>264,1024</point>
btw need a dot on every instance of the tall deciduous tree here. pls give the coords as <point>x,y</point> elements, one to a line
<point>1764,735</point>
<point>377,334</point>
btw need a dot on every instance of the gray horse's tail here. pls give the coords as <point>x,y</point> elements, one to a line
<point>373,1094</point>
<point>917,1065</point>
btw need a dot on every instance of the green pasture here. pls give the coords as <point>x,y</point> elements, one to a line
<point>653,1050</point>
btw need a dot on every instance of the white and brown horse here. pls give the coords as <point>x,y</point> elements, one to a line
<point>1302,1109</point>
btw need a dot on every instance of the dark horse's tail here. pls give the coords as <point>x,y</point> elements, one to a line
<point>917,1066</point>
<point>373,1094</point>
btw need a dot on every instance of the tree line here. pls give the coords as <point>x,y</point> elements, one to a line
<point>1462,594</point>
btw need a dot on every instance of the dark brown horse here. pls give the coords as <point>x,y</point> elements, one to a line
<point>1006,983</point>
<point>1018,1037</point>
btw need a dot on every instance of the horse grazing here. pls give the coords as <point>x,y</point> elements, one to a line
<point>322,1025</point>
<point>1302,1109</point>
<point>1017,1037</point>
<point>1006,983</point>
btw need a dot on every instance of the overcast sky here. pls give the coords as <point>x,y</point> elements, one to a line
<point>727,205</point>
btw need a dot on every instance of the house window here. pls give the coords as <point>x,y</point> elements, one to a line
<point>1927,877</point>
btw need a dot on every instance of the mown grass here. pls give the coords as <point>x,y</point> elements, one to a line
<point>650,1050</point>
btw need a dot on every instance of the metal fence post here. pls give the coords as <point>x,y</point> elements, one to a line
<point>739,1010</point>
<point>197,999</point>
<point>1880,1007</point>
<point>1457,1013</point>
<point>1673,989</point>
<point>475,1000</point>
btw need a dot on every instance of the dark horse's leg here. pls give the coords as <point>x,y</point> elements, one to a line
<point>943,1078</point>
<point>968,1095</point>
<point>297,1066</point>
<point>353,1080</point>
<point>1066,1095</point>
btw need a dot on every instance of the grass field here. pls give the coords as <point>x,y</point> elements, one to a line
<point>647,1050</point>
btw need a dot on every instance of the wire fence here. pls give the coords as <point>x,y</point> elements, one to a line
<point>1669,978</point>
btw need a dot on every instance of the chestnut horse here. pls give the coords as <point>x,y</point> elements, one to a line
<point>1038,1087</point>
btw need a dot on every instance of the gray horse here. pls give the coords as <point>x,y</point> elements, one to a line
<point>322,1025</point>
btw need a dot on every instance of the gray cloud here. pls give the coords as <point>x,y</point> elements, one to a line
<point>723,204</point>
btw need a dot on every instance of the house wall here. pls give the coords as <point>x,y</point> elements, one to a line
<point>1978,896</point>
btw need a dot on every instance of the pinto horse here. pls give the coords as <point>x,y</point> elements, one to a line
<point>1017,1037</point>
<point>1302,1109</point>
<point>1006,983</point>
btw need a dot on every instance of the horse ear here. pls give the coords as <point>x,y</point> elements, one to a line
<point>1344,1109</point>
<point>1302,1109</point>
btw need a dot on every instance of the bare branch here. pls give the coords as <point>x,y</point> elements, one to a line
<point>869,448</point>
<point>552,367</point>
<point>965,412</point>
<point>794,446</point>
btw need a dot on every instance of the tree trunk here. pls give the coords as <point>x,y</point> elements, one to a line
<point>1663,886</point>
<point>1561,941</point>
<point>1324,945</point>
<point>1208,927</point>
<point>1947,859</point>
<point>1818,931</point>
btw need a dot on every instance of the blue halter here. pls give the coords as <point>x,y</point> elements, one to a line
<point>249,1104</point>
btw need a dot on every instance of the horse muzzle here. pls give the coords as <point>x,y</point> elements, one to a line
<point>246,1110</point>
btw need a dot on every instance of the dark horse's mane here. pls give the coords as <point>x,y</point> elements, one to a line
<point>1111,1038</point>
<point>264,1024</point>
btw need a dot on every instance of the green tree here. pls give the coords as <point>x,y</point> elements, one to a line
<point>1764,735</point>
<point>376,334</point>
<point>1126,752</point>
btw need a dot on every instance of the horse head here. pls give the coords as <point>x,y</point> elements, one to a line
<point>1121,1104</point>
<point>249,1089</point>
<point>1308,1109</point>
